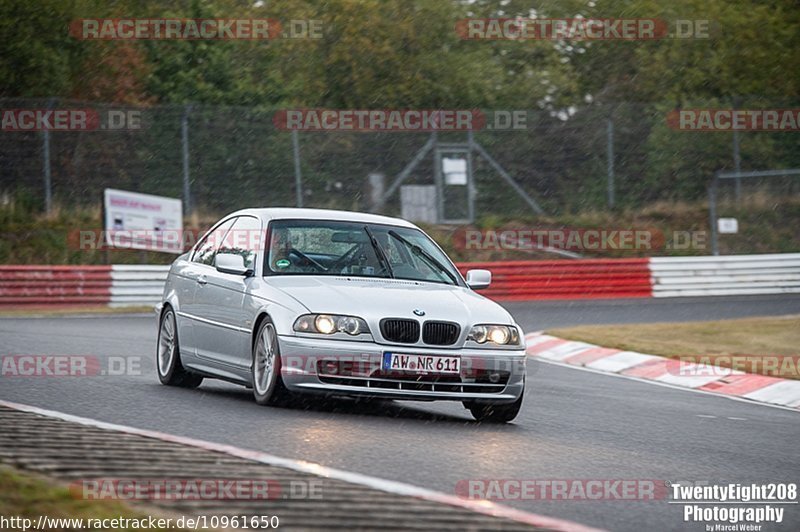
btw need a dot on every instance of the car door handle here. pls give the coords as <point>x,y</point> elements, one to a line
<point>202,280</point>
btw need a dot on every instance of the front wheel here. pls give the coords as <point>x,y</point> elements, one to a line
<point>494,413</point>
<point>168,355</point>
<point>268,387</point>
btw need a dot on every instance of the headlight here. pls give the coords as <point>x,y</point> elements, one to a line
<point>496,334</point>
<point>330,324</point>
<point>324,324</point>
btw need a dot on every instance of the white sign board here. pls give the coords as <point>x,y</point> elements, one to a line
<point>455,171</point>
<point>143,221</point>
<point>727,225</point>
<point>418,203</point>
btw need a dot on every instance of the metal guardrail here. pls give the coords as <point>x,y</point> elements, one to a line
<point>54,285</point>
<point>133,285</point>
<point>727,275</point>
<point>566,279</point>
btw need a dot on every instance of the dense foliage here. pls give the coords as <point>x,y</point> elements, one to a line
<point>406,54</point>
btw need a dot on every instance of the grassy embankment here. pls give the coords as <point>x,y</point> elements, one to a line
<point>767,346</point>
<point>766,226</point>
<point>27,496</point>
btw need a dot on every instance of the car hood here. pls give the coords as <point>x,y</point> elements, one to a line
<point>375,298</point>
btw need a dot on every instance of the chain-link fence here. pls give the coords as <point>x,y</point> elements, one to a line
<point>755,211</point>
<point>622,155</point>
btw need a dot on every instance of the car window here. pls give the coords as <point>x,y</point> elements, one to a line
<point>244,239</point>
<point>313,246</point>
<point>205,251</point>
<point>407,264</point>
<point>322,247</point>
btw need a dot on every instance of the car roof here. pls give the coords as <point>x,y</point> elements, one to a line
<point>289,213</point>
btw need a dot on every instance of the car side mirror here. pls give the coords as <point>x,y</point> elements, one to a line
<point>479,279</point>
<point>231,263</point>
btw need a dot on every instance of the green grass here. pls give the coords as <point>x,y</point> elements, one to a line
<point>768,346</point>
<point>28,496</point>
<point>767,225</point>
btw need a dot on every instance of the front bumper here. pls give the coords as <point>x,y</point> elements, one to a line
<point>306,368</point>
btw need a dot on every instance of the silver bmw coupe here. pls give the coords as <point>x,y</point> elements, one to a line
<point>288,301</point>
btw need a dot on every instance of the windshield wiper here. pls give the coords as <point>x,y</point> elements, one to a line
<point>379,252</point>
<point>430,259</point>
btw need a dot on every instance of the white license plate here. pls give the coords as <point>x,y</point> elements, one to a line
<point>421,363</point>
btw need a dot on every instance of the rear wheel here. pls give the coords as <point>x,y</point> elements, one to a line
<point>168,355</point>
<point>268,387</point>
<point>494,413</point>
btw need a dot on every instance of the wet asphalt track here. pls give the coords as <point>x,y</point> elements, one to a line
<point>574,424</point>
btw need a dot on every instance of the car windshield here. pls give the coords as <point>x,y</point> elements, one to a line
<point>311,247</point>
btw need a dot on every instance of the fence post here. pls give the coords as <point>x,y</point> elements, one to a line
<point>610,161</point>
<point>298,177</point>
<point>48,183</point>
<point>737,157</point>
<point>712,215</point>
<point>187,193</point>
<point>737,164</point>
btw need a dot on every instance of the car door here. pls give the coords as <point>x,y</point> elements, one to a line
<point>183,282</point>
<point>192,275</point>
<point>224,334</point>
